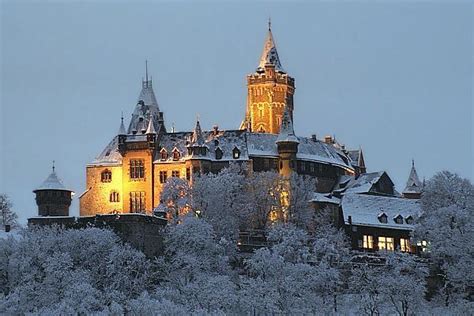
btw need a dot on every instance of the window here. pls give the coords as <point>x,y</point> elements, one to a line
<point>368,242</point>
<point>398,219</point>
<point>176,154</point>
<point>311,167</point>
<point>137,202</point>
<point>219,153</point>
<point>163,176</point>
<point>260,111</point>
<point>114,197</point>
<point>137,169</point>
<point>163,154</point>
<point>175,173</point>
<point>404,245</point>
<point>409,220</point>
<point>279,120</point>
<point>106,176</point>
<point>423,245</point>
<point>266,163</point>
<point>188,174</point>
<point>382,218</point>
<point>236,153</point>
<point>386,243</point>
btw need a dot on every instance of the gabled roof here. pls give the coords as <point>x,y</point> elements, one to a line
<point>414,184</point>
<point>269,53</point>
<point>197,138</point>
<point>364,183</point>
<point>52,182</point>
<point>364,210</point>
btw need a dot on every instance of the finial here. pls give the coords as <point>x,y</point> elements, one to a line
<point>121,117</point>
<point>197,117</point>
<point>269,23</point>
<point>413,163</point>
<point>146,70</point>
<point>53,166</point>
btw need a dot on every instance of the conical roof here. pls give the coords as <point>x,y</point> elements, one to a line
<point>52,182</point>
<point>269,53</point>
<point>287,133</point>
<point>197,138</point>
<point>414,184</point>
<point>151,127</point>
<point>122,130</point>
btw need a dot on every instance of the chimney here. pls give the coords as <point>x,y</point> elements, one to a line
<point>215,130</point>
<point>313,138</point>
<point>328,140</point>
<point>349,219</point>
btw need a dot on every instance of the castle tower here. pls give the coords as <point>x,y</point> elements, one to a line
<point>287,144</point>
<point>52,197</point>
<point>414,187</point>
<point>269,91</point>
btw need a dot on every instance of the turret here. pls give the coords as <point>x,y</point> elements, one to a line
<point>122,136</point>
<point>151,134</point>
<point>197,146</point>
<point>52,197</point>
<point>287,144</point>
<point>269,92</point>
<point>414,187</point>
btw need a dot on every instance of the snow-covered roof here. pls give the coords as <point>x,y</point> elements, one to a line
<point>52,182</point>
<point>325,198</point>
<point>414,184</point>
<point>270,54</point>
<point>365,209</point>
<point>364,183</point>
<point>146,109</point>
<point>262,144</point>
<point>226,141</point>
<point>110,155</point>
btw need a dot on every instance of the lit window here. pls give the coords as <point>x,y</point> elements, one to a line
<point>176,154</point>
<point>386,243</point>
<point>137,202</point>
<point>404,245</point>
<point>423,245</point>
<point>368,242</point>
<point>114,197</point>
<point>137,169</point>
<point>106,176</point>
<point>163,176</point>
<point>175,173</point>
<point>188,174</point>
<point>236,153</point>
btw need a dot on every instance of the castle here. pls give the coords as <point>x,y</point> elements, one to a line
<point>129,174</point>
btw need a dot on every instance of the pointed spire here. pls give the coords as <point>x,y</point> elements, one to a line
<point>197,134</point>
<point>414,184</point>
<point>287,133</point>
<point>146,70</point>
<point>53,167</point>
<point>151,126</point>
<point>270,54</point>
<point>52,182</point>
<point>122,127</point>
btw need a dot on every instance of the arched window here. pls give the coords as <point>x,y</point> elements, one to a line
<point>106,176</point>
<point>114,197</point>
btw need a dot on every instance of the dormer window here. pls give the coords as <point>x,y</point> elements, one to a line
<point>236,153</point>
<point>176,154</point>
<point>409,220</point>
<point>219,153</point>
<point>398,219</point>
<point>163,154</point>
<point>382,218</point>
<point>106,176</point>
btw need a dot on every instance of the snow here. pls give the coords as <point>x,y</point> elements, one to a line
<point>363,184</point>
<point>52,183</point>
<point>270,54</point>
<point>414,184</point>
<point>365,209</point>
<point>325,198</point>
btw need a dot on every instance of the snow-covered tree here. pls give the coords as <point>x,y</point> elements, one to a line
<point>7,215</point>
<point>220,200</point>
<point>176,197</point>
<point>447,225</point>
<point>300,192</point>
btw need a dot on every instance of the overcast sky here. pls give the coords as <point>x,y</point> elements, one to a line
<point>394,78</point>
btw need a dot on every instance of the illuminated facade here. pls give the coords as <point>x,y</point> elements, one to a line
<point>129,174</point>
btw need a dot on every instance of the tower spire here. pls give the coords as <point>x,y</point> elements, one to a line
<point>146,70</point>
<point>269,24</point>
<point>270,54</point>
<point>53,166</point>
